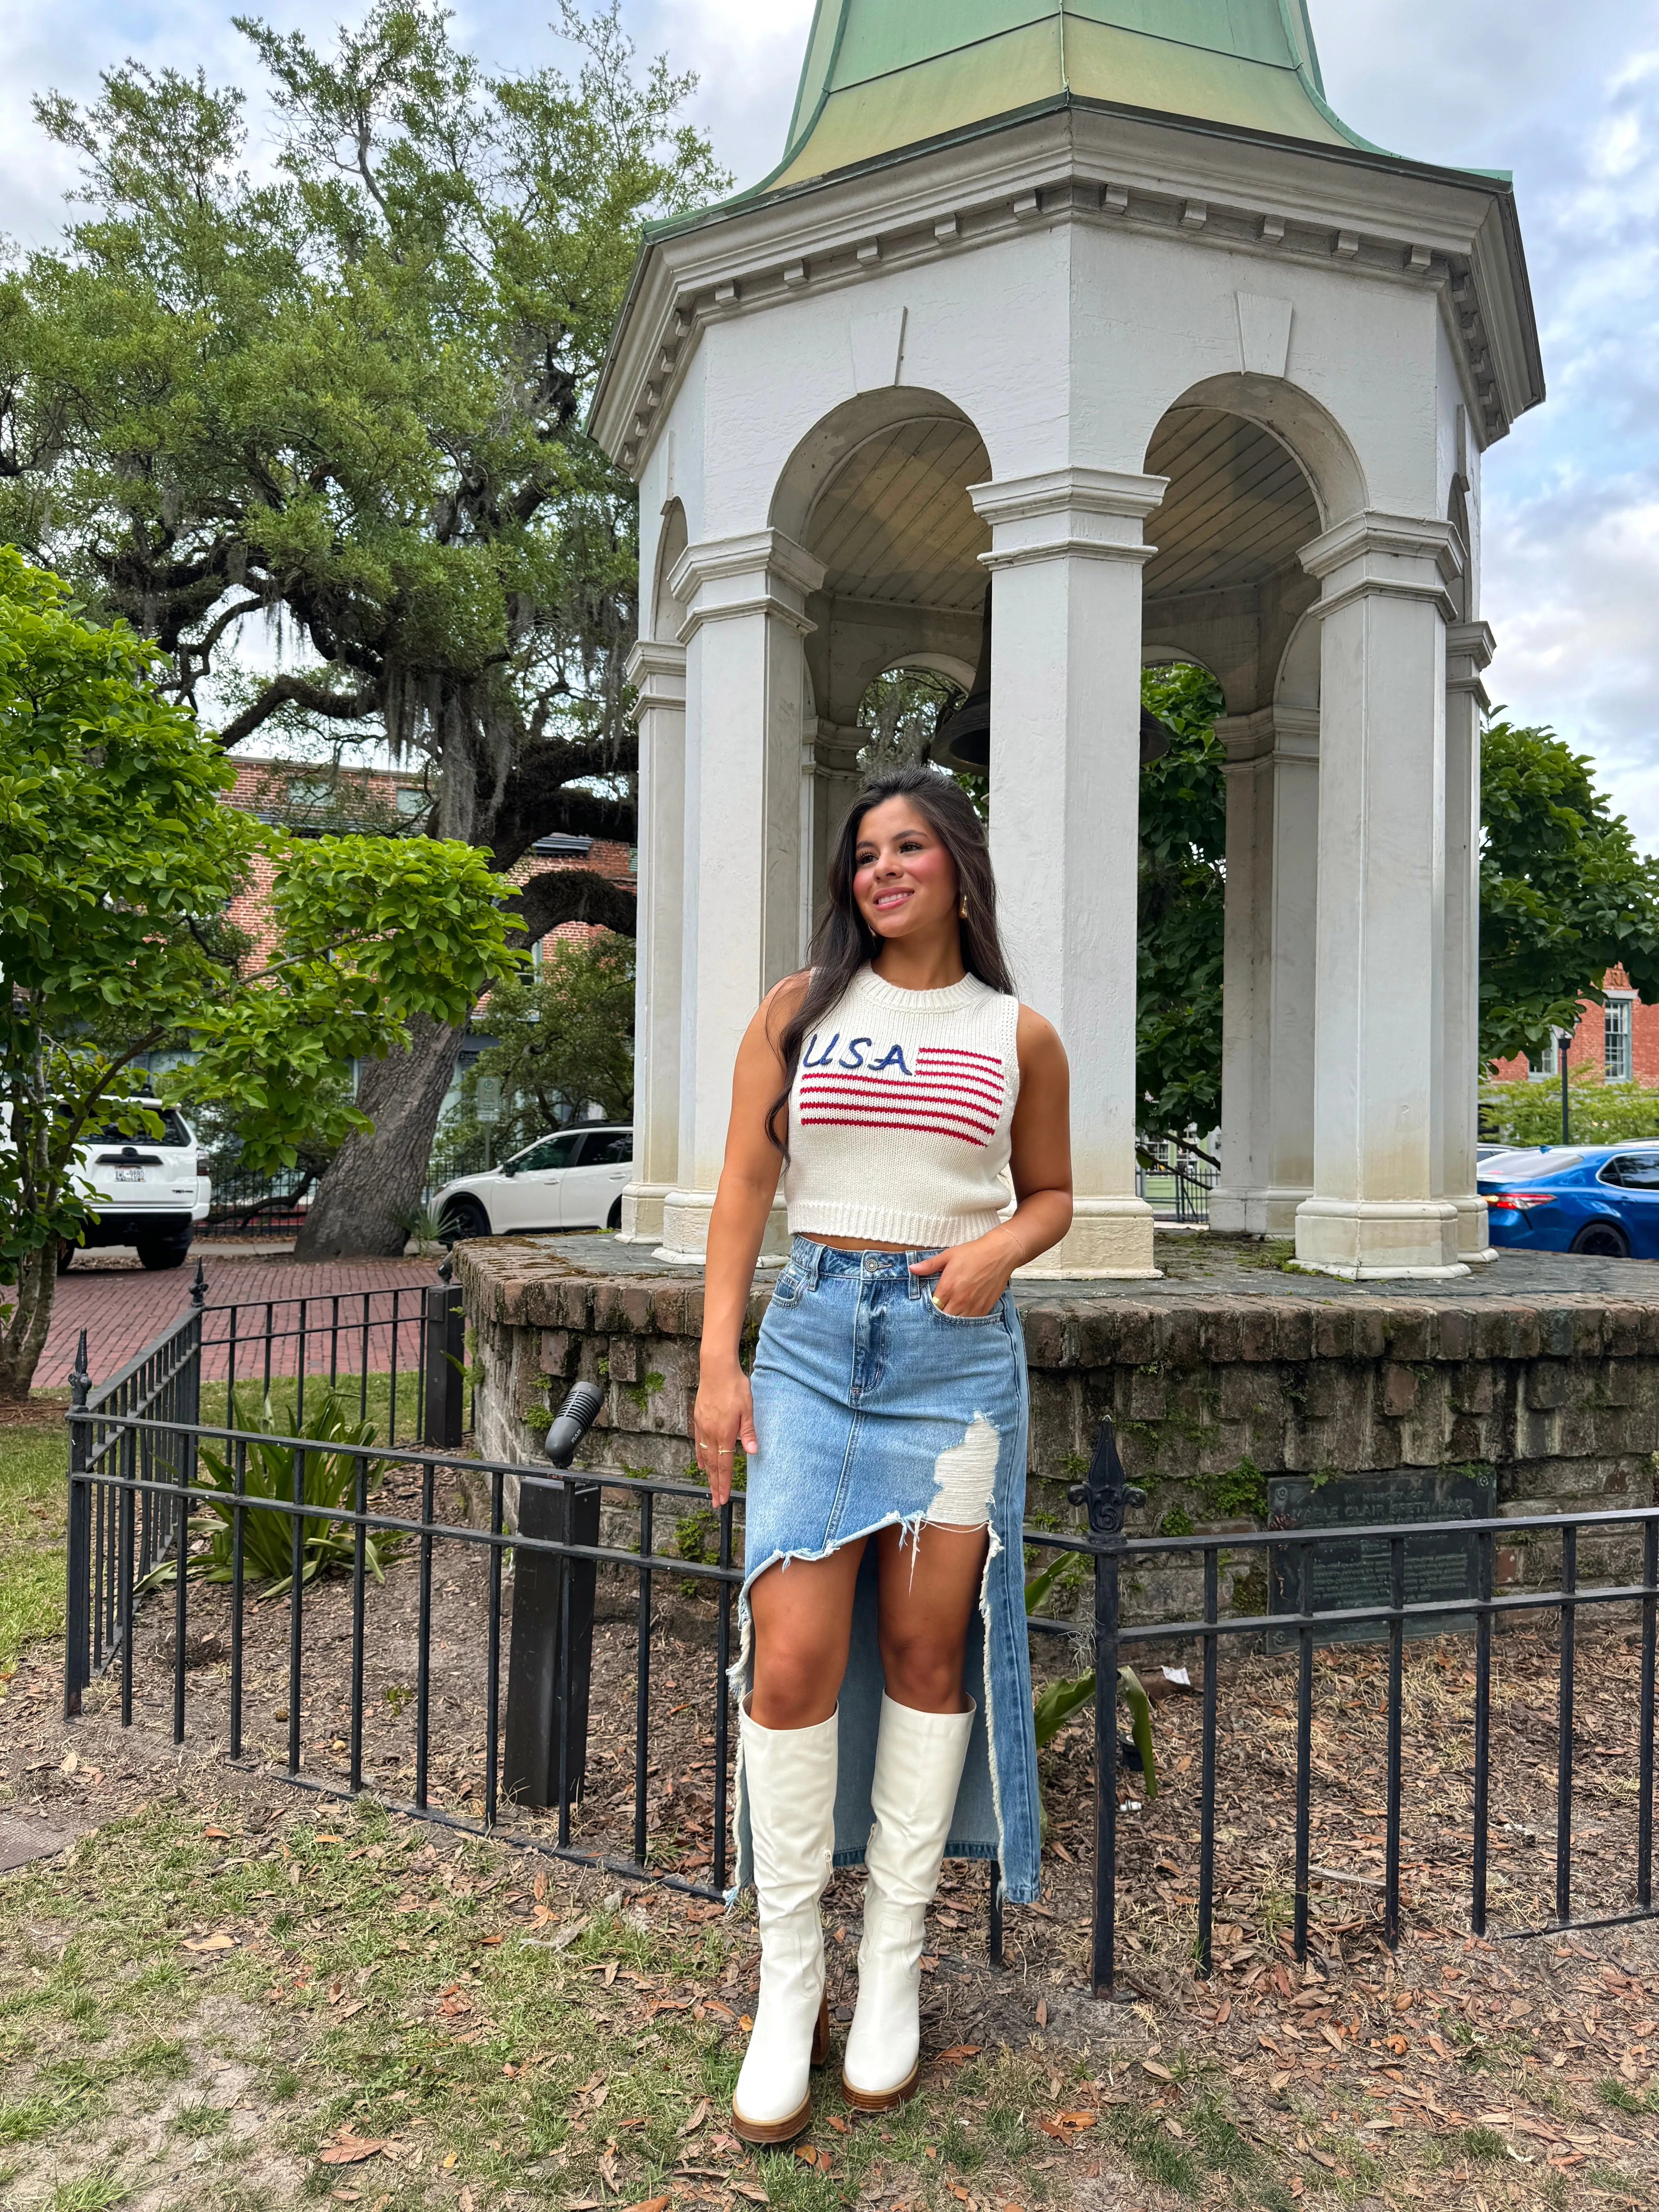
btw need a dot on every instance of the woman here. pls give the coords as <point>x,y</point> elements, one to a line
<point>896,1085</point>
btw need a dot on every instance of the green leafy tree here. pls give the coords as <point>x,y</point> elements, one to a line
<point>119,854</point>
<point>563,1040</point>
<point>1183,843</point>
<point>1564,894</point>
<point>339,389</point>
<point>1564,897</point>
<point>1527,1113</point>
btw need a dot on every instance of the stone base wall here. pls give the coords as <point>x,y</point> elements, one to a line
<point>1210,1394</point>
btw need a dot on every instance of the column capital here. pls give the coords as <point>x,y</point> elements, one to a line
<point>1473,642</point>
<point>1271,733</point>
<point>760,572</point>
<point>1371,554</point>
<point>832,748</point>
<point>1087,513</point>
<point>1469,649</point>
<point>656,668</point>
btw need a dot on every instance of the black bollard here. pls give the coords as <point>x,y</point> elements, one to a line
<point>544,1760</point>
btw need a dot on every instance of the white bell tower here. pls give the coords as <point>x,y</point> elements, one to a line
<point>1123,318</point>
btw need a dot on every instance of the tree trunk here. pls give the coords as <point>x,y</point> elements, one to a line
<point>375,1178</point>
<point>364,1199</point>
<point>24,1338</point>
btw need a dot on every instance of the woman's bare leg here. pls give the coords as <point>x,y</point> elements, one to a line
<point>803,1615</point>
<point>929,1594</point>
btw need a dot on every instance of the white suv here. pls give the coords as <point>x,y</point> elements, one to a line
<point>572,1181</point>
<point>148,1191</point>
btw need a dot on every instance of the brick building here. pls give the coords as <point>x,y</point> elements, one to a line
<point>307,801</point>
<point>1619,1041</point>
<point>310,801</point>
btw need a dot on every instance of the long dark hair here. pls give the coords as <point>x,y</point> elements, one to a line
<point>843,941</point>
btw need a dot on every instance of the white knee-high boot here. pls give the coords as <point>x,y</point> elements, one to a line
<point>789,1782</point>
<point>919,1762</point>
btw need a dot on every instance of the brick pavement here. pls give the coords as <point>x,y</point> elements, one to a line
<point>122,1307</point>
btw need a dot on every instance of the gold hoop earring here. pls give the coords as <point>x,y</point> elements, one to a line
<point>962,910</point>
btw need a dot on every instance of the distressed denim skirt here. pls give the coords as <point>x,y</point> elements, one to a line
<point>874,1409</point>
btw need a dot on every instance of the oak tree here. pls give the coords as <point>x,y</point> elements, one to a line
<point>337,393</point>
<point>119,862</point>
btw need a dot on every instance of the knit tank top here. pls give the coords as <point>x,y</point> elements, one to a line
<point>899,1114</point>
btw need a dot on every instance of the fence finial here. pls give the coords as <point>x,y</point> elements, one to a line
<point>79,1381</point>
<point>199,1288</point>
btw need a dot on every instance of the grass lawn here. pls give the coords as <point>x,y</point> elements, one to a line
<point>212,2012</point>
<point>34,1456</point>
<point>33,1464</point>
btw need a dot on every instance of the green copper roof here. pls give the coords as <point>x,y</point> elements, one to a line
<point>885,74</point>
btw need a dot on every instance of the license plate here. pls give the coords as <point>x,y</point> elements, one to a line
<point>129,1175</point>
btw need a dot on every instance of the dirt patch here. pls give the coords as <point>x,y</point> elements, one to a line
<point>22,1840</point>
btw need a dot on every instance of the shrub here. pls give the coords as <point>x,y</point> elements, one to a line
<point>1525,1113</point>
<point>328,1484</point>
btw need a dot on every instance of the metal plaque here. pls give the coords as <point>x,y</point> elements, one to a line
<point>1351,1566</point>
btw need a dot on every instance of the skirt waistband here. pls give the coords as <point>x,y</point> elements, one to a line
<point>815,1260</point>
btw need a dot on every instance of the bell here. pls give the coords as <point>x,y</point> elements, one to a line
<point>962,740</point>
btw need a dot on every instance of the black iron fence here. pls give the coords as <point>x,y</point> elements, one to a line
<point>1175,1182</point>
<point>511,1726</point>
<point>245,1205</point>
<point>395,1354</point>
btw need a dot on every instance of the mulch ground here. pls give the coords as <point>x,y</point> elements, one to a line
<point>1453,2071</point>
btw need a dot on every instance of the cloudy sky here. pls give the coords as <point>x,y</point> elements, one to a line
<point>1566,96</point>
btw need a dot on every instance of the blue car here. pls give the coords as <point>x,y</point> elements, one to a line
<point>1600,1199</point>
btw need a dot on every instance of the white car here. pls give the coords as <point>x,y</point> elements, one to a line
<point>572,1181</point>
<point>149,1192</point>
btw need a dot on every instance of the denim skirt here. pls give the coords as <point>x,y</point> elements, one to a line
<point>872,1410</point>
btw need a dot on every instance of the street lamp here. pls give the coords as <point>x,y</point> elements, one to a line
<point>1563,1040</point>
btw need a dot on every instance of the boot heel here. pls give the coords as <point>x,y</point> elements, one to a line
<point>821,2032</point>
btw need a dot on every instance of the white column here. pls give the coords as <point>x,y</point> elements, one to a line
<point>657,671</point>
<point>1470,649</point>
<point>837,778</point>
<point>1379,1038</point>
<point>1066,553</point>
<point>744,695</point>
<point>1267,983</point>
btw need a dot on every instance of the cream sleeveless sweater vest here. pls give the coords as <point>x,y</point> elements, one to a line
<point>899,1114</point>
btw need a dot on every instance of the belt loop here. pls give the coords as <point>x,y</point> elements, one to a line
<point>816,1261</point>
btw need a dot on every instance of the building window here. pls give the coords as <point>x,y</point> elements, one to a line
<point>1548,1060</point>
<point>1616,1035</point>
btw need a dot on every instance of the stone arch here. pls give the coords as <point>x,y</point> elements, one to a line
<point>1171,652</point>
<point>828,445</point>
<point>1297,686</point>
<point>667,612</point>
<point>1307,430</point>
<point>1226,587</point>
<point>878,491</point>
<point>1457,514</point>
<point>960,671</point>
